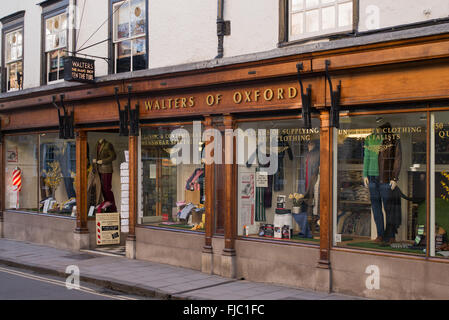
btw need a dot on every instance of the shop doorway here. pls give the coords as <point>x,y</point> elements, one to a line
<point>108,190</point>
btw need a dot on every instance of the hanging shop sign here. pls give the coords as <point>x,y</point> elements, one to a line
<point>108,228</point>
<point>79,69</point>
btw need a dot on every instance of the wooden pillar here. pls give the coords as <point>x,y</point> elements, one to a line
<point>229,157</point>
<point>81,182</point>
<point>209,190</point>
<point>325,190</point>
<point>133,185</point>
<point>228,257</point>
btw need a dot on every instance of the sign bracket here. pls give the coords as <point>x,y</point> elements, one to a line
<point>306,99</point>
<point>335,99</point>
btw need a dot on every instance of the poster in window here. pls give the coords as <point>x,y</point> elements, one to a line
<point>247,183</point>
<point>12,155</point>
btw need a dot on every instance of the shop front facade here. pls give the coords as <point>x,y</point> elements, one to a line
<point>219,172</point>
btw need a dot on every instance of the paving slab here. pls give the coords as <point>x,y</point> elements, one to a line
<point>147,278</point>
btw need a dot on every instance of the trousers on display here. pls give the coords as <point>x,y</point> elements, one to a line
<point>302,220</point>
<point>106,188</point>
<point>380,193</point>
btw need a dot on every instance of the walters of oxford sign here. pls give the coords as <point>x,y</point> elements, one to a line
<point>249,98</point>
<point>79,69</point>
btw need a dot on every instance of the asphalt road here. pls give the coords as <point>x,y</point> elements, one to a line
<point>17,284</point>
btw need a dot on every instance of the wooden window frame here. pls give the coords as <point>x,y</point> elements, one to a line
<point>284,26</point>
<point>113,43</point>
<point>11,23</point>
<point>50,9</point>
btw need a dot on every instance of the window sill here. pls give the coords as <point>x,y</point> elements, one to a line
<point>319,38</point>
<point>40,214</point>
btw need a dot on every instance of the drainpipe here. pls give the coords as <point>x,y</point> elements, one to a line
<point>223,28</point>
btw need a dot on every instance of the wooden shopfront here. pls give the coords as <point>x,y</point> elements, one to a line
<point>384,82</point>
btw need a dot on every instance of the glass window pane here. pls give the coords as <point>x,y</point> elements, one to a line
<point>56,175</point>
<point>312,21</point>
<point>139,54</point>
<point>278,195</point>
<point>328,18</point>
<point>327,1</point>
<point>173,194</point>
<point>297,5</point>
<point>345,14</point>
<point>123,60</point>
<point>297,23</point>
<point>381,183</point>
<point>312,3</point>
<point>21,163</point>
<point>53,65</point>
<point>137,17</point>
<point>440,205</point>
<point>122,20</point>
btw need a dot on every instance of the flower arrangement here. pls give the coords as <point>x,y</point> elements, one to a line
<point>296,197</point>
<point>53,177</point>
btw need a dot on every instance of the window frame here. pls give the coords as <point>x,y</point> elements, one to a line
<point>285,37</point>
<point>113,41</point>
<point>51,9</point>
<point>10,24</point>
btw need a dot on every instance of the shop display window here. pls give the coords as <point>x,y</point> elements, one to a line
<point>21,172</point>
<point>172,192</point>
<point>130,35</point>
<point>380,183</point>
<point>278,181</point>
<point>439,212</point>
<point>57,169</point>
<point>40,174</point>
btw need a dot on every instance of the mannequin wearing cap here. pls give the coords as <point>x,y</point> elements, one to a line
<point>381,167</point>
<point>105,155</point>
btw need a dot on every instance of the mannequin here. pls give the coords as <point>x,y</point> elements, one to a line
<point>105,155</point>
<point>381,168</point>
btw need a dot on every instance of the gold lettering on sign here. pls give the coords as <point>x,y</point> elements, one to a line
<point>268,94</point>
<point>237,97</point>
<point>292,92</point>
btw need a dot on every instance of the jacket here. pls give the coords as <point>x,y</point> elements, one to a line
<point>390,159</point>
<point>106,153</point>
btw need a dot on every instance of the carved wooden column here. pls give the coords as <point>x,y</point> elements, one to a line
<point>207,255</point>
<point>228,257</point>
<point>326,135</point>
<point>81,230</point>
<point>133,185</point>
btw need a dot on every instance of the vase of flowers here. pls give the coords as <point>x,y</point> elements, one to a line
<point>297,199</point>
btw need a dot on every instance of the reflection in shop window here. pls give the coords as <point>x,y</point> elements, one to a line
<point>173,194</point>
<point>282,205</point>
<point>381,183</point>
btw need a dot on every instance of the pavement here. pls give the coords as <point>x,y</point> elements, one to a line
<point>148,279</point>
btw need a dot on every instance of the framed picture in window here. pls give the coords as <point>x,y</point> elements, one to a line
<point>12,155</point>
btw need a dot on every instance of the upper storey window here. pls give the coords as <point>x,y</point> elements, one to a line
<point>314,18</point>
<point>130,35</point>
